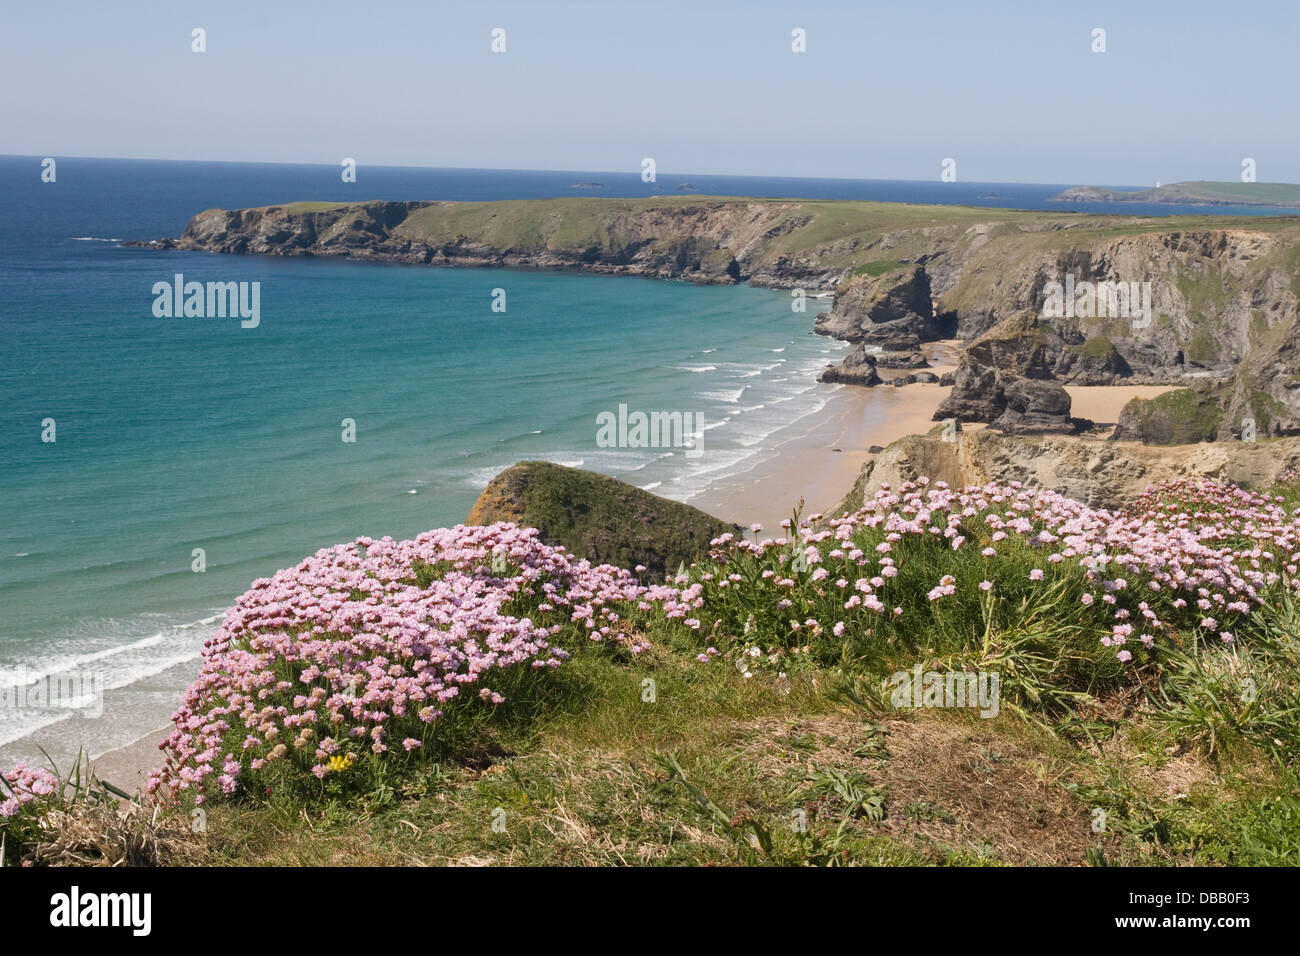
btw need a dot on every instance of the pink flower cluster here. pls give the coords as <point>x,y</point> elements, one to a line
<point>23,785</point>
<point>373,639</point>
<point>1187,554</point>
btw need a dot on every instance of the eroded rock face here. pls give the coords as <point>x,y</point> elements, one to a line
<point>1037,407</point>
<point>1103,474</point>
<point>1183,416</point>
<point>1016,350</point>
<point>1224,314</point>
<point>892,311</point>
<point>890,314</point>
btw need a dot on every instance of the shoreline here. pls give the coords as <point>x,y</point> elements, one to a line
<point>820,462</point>
<point>127,768</point>
<point>817,458</point>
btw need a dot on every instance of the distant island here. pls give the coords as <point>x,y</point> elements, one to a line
<point>1198,193</point>
<point>588,186</point>
<point>686,188</point>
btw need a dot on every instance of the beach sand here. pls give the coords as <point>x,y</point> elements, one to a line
<point>818,459</point>
<point>127,768</point>
<point>822,461</point>
<point>1102,403</point>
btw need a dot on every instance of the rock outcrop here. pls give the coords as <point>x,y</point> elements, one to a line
<point>858,369</point>
<point>1183,416</point>
<point>1104,474</point>
<point>1037,407</point>
<point>1004,358</point>
<point>887,315</point>
<point>598,517</point>
<point>1217,309</point>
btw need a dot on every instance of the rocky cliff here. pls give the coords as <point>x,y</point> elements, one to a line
<point>1222,316</point>
<point>1103,474</point>
<point>1203,301</point>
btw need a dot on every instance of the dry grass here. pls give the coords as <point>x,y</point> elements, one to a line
<point>108,834</point>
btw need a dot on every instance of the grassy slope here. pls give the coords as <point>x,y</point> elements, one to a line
<point>713,768</point>
<point>595,781</point>
<point>598,517</point>
<point>1238,193</point>
<point>840,234</point>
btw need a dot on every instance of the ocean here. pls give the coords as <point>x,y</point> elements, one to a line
<point>176,438</point>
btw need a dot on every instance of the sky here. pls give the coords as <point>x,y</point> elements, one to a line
<point>1012,91</point>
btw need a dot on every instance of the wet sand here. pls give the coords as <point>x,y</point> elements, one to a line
<point>821,463</point>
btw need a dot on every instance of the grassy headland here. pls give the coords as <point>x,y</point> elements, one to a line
<point>1145,711</point>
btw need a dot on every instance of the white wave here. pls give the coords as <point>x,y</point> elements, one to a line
<point>695,368</point>
<point>93,239</point>
<point>730,396</point>
<point>72,662</point>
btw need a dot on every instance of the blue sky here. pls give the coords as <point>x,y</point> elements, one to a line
<point>1012,91</point>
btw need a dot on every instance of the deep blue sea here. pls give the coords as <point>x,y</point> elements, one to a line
<point>176,434</point>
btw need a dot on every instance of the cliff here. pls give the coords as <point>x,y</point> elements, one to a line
<point>1102,474</point>
<point>1214,300</point>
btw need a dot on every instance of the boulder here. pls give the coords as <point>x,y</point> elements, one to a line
<point>1037,407</point>
<point>858,369</point>
<point>914,359</point>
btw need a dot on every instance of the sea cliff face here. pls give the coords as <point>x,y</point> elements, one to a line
<point>698,241</point>
<point>1215,300</point>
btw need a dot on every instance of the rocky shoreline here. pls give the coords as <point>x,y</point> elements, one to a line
<point>1222,297</point>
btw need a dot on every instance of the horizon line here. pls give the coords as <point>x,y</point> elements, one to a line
<point>609,172</point>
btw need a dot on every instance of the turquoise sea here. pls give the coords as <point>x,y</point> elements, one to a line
<point>176,434</point>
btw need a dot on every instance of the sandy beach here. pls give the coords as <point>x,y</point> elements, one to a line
<point>1102,403</point>
<point>819,459</point>
<point>820,462</point>
<point>127,768</point>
